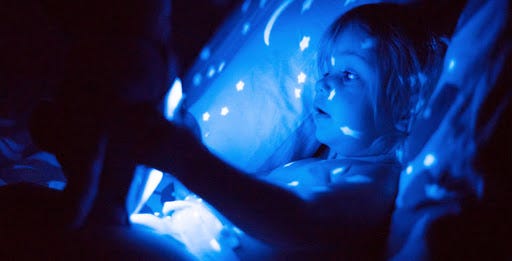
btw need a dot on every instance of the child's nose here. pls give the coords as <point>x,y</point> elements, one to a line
<point>322,87</point>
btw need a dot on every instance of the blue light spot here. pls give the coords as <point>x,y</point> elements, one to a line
<point>350,132</point>
<point>358,179</point>
<point>240,86</point>
<point>298,93</point>
<point>289,164</point>
<point>436,192</point>
<point>306,5</point>
<point>451,65</point>
<point>245,5</point>
<point>224,111</point>
<point>197,79</point>
<point>367,43</point>
<point>246,28</point>
<point>333,61</point>
<point>304,43</point>
<point>429,160</point>
<point>215,245</point>
<point>301,78</point>
<point>221,67</point>
<point>399,154</point>
<point>337,171</point>
<point>347,2</point>
<point>293,183</point>
<point>423,78</point>
<point>272,20</point>
<point>173,99</point>
<point>237,231</point>
<point>409,170</point>
<point>211,72</point>
<point>54,184</point>
<point>331,95</point>
<point>412,80</point>
<point>205,53</point>
<point>427,113</point>
<point>206,116</point>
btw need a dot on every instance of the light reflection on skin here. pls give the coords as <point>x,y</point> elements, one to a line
<point>331,95</point>
<point>350,132</point>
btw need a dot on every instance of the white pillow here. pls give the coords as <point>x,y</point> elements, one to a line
<point>251,89</point>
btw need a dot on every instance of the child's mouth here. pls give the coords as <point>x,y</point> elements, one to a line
<point>321,112</point>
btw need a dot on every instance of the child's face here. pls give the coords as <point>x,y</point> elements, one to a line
<point>343,110</point>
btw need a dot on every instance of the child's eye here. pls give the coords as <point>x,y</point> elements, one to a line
<point>349,76</point>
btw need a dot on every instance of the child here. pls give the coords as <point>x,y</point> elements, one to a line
<point>376,73</point>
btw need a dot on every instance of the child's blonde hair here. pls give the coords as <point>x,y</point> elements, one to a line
<point>409,63</point>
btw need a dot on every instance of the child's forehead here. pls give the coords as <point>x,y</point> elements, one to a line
<point>354,37</point>
<point>350,44</point>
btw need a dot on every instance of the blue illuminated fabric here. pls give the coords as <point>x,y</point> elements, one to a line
<point>440,178</point>
<point>21,161</point>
